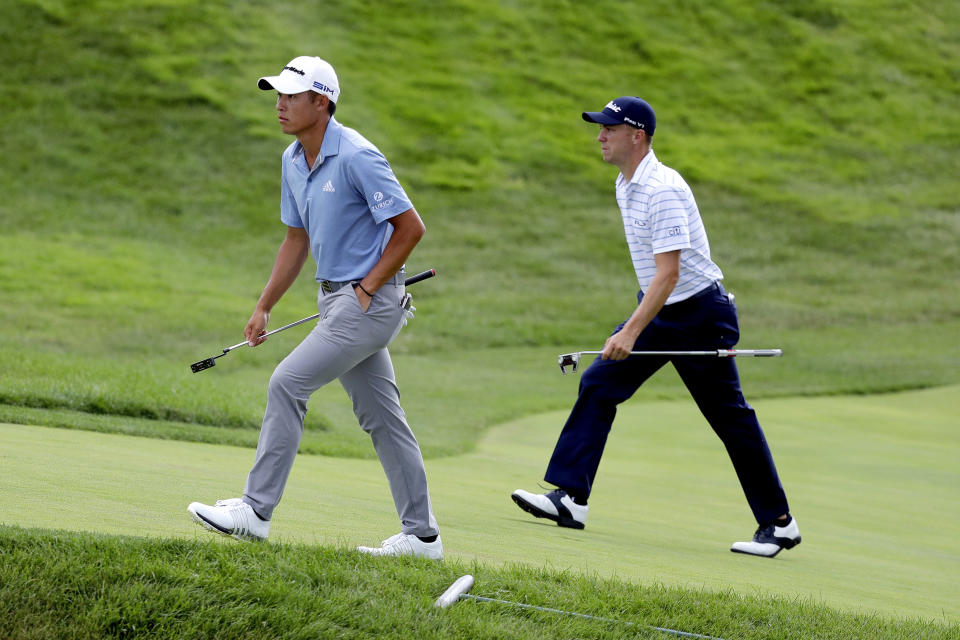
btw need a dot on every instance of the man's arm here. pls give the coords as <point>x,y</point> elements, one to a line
<point>620,344</point>
<point>290,258</point>
<point>408,228</point>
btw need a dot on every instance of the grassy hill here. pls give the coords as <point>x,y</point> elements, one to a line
<point>139,170</point>
<point>147,588</point>
<point>138,202</point>
<point>143,588</point>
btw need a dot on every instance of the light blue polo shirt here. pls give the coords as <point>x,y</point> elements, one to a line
<point>343,204</point>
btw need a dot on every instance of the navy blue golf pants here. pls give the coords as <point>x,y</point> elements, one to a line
<point>705,322</point>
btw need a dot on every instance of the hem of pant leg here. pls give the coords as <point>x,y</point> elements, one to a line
<point>405,471</point>
<point>567,489</point>
<point>258,511</point>
<point>773,518</point>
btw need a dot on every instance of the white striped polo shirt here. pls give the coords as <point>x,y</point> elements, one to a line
<point>660,215</point>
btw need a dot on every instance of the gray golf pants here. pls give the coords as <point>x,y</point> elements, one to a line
<point>350,345</point>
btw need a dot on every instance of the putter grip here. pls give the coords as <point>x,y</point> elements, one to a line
<point>454,591</point>
<point>420,276</point>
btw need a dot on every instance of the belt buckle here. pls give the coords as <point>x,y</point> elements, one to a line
<point>326,286</point>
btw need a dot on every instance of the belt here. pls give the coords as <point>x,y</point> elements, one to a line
<point>714,287</point>
<point>684,304</point>
<point>329,286</point>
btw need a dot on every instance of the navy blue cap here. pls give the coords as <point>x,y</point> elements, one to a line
<point>626,110</point>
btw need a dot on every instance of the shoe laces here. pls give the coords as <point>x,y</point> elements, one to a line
<point>391,540</point>
<point>398,543</point>
<point>763,531</point>
<point>239,512</point>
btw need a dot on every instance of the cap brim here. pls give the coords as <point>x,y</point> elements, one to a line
<point>599,117</point>
<point>282,84</point>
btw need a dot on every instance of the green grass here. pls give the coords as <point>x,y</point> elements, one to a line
<point>139,170</point>
<point>868,479</point>
<point>127,587</point>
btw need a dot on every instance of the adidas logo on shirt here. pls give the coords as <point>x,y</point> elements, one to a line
<point>329,187</point>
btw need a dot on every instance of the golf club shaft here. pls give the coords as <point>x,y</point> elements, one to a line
<point>673,632</point>
<point>411,280</point>
<point>278,330</point>
<point>722,353</point>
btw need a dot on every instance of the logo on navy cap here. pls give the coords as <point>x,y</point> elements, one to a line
<point>629,110</point>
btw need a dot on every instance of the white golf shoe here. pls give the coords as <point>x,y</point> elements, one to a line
<point>556,506</point>
<point>768,541</point>
<point>406,544</point>
<point>232,517</point>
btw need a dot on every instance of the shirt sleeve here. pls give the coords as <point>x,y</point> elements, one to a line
<point>373,179</point>
<point>670,226</point>
<point>289,211</point>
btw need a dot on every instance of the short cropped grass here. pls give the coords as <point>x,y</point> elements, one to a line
<point>867,477</point>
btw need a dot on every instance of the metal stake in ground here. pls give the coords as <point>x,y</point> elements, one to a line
<point>209,362</point>
<point>573,359</point>
<point>458,591</point>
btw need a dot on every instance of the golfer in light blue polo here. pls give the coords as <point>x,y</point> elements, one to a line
<point>340,202</point>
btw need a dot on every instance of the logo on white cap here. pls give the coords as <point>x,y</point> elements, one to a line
<point>305,73</point>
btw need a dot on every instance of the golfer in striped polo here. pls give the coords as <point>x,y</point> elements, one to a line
<point>341,202</point>
<point>681,306</point>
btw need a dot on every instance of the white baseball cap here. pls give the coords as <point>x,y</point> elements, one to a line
<point>306,73</point>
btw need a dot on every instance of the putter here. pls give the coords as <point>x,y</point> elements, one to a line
<point>405,303</point>
<point>573,359</point>
<point>458,591</point>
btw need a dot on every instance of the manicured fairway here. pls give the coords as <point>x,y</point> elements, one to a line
<point>873,482</point>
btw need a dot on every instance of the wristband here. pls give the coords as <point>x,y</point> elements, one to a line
<point>357,284</point>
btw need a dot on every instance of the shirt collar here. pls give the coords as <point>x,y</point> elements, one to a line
<point>331,139</point>
<point>643,170</point>
<point>330,145</point>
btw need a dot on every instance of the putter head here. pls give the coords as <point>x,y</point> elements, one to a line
<point>568,360</point>
<point>203,364</point>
